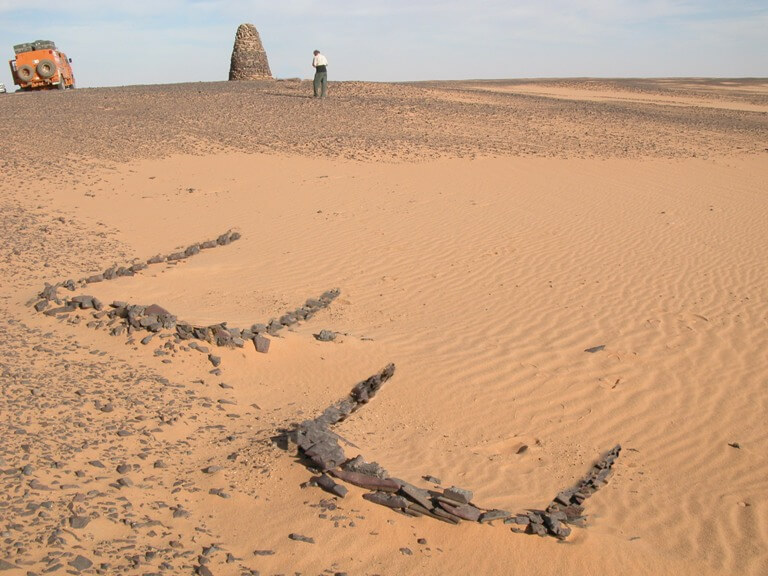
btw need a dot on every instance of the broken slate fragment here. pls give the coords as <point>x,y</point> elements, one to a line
<point>465,511</point>
<point>326,483</point>
<point>387,499</point>
<point>78,522</point>
<point>595,349</point>
<point>494,515</point>
<point>300,538</point>
<point>418,495</point>
<point>458,495</point>
<point>80,563</point>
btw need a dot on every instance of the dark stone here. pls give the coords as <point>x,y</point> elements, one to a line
<point>367,481</point>
<point>463,511</point>
<point>387,499</point>
<point>215,360</point>
<point>556,528</point>
<point>41,305</point>
<point>326,483</point>
<point>359,465</point>
<point>325,336</point>
<point>330,295</point>
<point>261,343</point>
<point>60,310</point>
<point>595,349</point>
<point>78,522</point>
<point>494,515</point>
<point>274,327</point>
<point>458,495</point>
<point>300,538</point>
<point>417,495</point>
<point>287,320</point>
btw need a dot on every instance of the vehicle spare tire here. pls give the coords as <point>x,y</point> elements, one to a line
<point>25,73</point>
<point>46,68</point>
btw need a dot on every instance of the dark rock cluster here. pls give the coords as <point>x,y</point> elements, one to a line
<point>124,318</point>
<point>320,448</point>
<point>568,505</point>
<point>249,60</point>
<point>50,292</point>
<point>314,437</point>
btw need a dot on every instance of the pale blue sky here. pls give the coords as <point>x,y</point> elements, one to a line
<point>151,42</point>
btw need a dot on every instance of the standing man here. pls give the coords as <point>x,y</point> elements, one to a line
<point>319,62</point>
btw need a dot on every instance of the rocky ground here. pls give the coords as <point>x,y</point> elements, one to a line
<point>69,482</point>
<point>41,132</point>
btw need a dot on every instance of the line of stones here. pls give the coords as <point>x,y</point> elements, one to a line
<point>49,292</point>
<point>123,317</point>
<point>320,448</point>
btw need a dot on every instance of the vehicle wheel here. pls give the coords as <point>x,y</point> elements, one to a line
<point>46,69</point>
<point>61,85</point>
<point>25,73</point>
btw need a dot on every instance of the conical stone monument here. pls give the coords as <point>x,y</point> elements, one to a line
<point>249,60</point>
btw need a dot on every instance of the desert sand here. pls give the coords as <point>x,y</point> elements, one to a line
<point>483,236</point>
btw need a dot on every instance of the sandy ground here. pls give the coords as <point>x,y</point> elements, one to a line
<point>483,235</point>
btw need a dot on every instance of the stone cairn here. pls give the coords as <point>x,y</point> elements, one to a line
<point>124,318</point>
<point>249,60</point>
<point>320,449</point>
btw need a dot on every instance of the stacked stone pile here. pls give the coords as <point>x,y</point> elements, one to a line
<point>320,448</point>
<point>249,60</point>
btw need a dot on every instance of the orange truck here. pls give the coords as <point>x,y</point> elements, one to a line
<point>40,66</point>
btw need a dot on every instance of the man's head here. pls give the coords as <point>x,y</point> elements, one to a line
<point>316,52</point>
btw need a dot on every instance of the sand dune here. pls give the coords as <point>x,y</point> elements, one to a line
<point>483,237</point>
